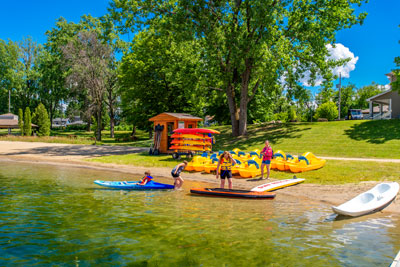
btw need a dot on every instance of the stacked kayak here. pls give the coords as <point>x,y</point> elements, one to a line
<point>221,192</point>
<point>133,185</point>
<point>192,139</point>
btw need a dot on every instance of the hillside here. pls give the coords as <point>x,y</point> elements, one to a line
<point>363,139</point>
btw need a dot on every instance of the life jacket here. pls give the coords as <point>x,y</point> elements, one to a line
<point>268,153</point>
<point>226,165</point>
<point>146,179</point>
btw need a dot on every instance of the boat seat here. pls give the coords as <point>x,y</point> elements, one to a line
<point>365,198</point>
<point>383,188</point>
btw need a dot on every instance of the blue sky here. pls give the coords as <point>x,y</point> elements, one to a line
<point>375,43</point>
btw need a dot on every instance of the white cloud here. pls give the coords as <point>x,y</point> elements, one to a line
<point>336,53</point>
<point>341,52</point>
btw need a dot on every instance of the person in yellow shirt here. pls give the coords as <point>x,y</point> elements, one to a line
<point>226,162</point>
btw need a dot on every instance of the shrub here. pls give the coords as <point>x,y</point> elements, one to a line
<point>41,118</point>
<point>327,110</point>
<point>292,116</point>
<point>76,127</point>
<point>27,122</point>
<point>282,116</point>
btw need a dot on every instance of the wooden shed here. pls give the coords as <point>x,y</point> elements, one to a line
<point>170,122</point>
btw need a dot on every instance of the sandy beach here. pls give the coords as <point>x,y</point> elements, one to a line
<point>75,155</point>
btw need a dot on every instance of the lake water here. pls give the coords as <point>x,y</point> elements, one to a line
<point>52,215</point>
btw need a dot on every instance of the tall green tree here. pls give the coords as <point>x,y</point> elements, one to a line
<point>364,93</point>
<point>41,119</point>
<point>27,122</point>
<point>395,83</point>
<point>246,43</point>
<point>159,75</point>
<point>88,60</point>
<point>11,74</point>
<point>30,59</point>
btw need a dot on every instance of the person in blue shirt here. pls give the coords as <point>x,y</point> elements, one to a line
<point>176,174</point>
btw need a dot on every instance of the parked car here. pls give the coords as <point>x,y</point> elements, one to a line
<point>354,114</point>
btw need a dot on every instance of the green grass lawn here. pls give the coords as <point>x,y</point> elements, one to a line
<point>363,139</point>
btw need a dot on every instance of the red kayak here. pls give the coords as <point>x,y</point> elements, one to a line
<point>221,192</point>
<point>195,130</point>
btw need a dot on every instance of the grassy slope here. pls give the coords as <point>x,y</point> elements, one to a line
<point>364,139</point>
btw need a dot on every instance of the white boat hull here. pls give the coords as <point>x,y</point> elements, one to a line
<point>370,201</point>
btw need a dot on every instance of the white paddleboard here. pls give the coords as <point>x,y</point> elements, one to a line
<point>271,186</point>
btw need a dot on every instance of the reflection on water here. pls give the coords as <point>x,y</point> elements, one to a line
<point>56,215</point>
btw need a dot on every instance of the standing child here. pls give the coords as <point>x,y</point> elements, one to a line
<point>267,154</point>
<point>226,162</point>
<point>147,178</point>
<point>176,174</point>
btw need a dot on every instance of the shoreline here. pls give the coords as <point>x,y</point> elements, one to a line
<point>327,194</point>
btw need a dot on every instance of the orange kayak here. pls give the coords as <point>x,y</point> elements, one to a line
<point>221,192</point>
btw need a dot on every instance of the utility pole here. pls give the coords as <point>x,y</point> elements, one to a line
<point>9,101</point>
<point>340,87</point>
<point>9,107</point>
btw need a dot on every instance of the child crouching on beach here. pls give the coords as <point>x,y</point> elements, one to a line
<point>176,174</point>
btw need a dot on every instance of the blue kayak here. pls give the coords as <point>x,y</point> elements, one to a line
<point>133,185</point>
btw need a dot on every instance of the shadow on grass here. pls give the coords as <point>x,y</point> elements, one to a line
<point>375,132</point>
<point>257,134</point>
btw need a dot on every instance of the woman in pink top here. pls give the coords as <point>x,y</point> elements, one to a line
<point>267,154</point>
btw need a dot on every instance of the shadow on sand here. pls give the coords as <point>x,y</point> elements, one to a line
<point>80,150</point>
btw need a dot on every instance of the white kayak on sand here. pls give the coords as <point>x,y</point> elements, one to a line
<point>370,201</point>
<point>271,186</point>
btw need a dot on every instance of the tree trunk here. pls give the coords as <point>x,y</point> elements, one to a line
<point>233,110</point>
<point>133,131</point>
<point>98,135</point>
<point>51,115</point>
<point>112,122</point>
<point>244,98</point>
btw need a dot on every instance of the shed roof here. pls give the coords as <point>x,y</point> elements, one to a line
<point>8,116</point>
<point>10,120</point>
<point>379,95</point>
<point>175,116</point>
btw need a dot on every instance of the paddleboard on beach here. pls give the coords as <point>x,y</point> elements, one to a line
<point>271,186</point>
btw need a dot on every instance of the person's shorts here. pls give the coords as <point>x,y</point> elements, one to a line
<point>175,175</point>
<point>226,174</point>
<point>268,161</point>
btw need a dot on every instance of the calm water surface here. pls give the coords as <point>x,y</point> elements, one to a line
<point>51,215</point>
